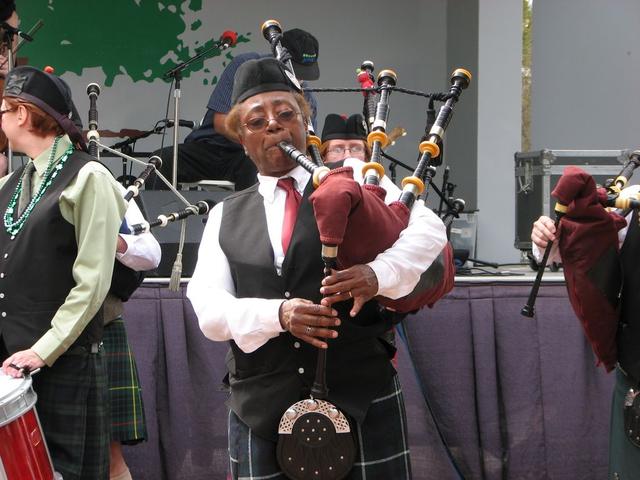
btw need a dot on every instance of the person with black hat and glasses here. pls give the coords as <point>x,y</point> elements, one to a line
<point>257,284</point>
<point>344,138</point>
<point>212,152</point>
<point>61,217</point>
<point>344,143</point>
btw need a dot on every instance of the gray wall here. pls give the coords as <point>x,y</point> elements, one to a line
<point>499,126</point>
<point>409,38</point>
<point>422,41</point>
<point>585,73</point>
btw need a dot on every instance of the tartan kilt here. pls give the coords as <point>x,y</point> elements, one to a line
<point>73,410</point>
<point>381,443</point>
<point>128,424</point>
<point>624,456</point>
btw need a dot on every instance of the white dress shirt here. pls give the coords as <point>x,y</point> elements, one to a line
<point>251,322</point>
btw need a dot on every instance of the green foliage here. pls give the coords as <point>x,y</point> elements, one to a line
<point>137,38</point>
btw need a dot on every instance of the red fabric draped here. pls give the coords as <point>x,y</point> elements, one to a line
<point>588,243</point>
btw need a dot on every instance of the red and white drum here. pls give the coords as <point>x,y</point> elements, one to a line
<point>23,450</point>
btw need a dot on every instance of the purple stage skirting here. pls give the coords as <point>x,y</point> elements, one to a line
<point>516,398</point>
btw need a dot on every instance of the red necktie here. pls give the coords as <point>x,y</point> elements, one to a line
<point>290,210</point>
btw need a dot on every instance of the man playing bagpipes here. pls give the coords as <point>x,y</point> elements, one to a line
<point>600,251</point>
<point>257,284</point>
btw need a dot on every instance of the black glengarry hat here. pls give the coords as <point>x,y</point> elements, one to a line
<point>49,93</point>
<point>259,76</point>
<point>339,127</point>
<point>303,48</point>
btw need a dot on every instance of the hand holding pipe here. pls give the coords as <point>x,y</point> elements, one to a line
<point>529,309</point>
<point>201,207</point>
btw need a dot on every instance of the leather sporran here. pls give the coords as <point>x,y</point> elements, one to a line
<point>315,441</point>
<point>632,416</point>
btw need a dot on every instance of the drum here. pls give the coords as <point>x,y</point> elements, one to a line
<point>23,450</point>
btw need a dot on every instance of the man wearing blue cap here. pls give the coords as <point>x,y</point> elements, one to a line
<point>212,152</point>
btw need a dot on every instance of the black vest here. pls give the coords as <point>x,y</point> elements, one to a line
<point>629,328</point>
<point>266,382</point>
<point>36,264</point>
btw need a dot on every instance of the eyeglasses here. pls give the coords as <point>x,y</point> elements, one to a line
<point>356,150</point>
<point>2,112</point>
<point>284,118</point>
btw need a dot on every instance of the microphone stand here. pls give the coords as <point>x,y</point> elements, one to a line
<point>125,146</point>
<point>176,74</point>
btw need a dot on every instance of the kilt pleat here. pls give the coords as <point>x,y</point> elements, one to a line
<point>128,424</point>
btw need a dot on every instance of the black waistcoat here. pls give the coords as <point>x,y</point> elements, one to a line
<point>629,328</point>
<point>36,264</point>
<point>266,382</point>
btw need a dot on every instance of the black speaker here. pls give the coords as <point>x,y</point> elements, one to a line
<point>164,202</point>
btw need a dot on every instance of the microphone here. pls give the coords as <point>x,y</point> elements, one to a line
<point>93,89</point>
<point>201,207</point>
<point>192,124</point>
<point>16,31</point>
<point>154,163</point>
<point>229,38</point>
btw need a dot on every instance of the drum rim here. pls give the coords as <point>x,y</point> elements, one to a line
<point>17,402</point>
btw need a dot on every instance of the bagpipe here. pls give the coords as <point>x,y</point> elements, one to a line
<point>587,238</point>
<point>345,213</point>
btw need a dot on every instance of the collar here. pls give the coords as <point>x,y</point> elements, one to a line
<point>41,161</point>
<point>268,185</point>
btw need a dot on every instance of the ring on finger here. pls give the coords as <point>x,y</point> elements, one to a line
<point>308,330</point>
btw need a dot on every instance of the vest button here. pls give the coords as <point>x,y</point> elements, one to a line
<point>6,255</point>
<point>4,314</point>
<point>1,295</point>
<point>287,294</point>
<point>2,275</point>
<point>301,370</point>
<point>295,344</point>
<point>13,237</point>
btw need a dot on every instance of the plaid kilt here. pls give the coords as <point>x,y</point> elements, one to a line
<point>624,456</point>
<point>128,424</point>
<point>73,410</point>
<point>382,445</point>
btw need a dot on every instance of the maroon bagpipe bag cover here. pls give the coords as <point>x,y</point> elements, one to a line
<point>588,242</point>
<point>356,218</point>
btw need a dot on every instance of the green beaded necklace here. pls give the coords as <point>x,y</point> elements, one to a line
<point>13,227</point>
